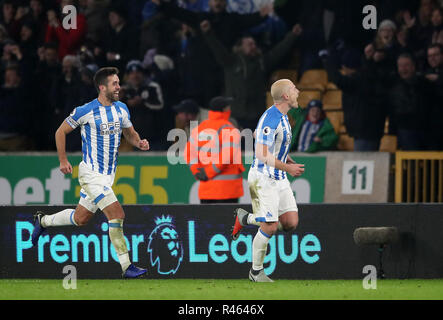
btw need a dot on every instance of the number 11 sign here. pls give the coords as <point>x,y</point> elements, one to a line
<point>357,177</point>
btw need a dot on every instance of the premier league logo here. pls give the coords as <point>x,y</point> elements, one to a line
<point>164,247</point>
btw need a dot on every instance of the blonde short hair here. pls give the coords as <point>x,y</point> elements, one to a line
<point>279,88</point>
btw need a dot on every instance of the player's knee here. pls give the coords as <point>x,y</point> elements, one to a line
<point>270,228</point>
<point>291,226</point>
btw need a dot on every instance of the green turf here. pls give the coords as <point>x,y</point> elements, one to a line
<point>193,289</point>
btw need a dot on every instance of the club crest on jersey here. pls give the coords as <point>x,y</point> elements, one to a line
<point>266,131</point>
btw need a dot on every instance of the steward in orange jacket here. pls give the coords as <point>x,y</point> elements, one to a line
<point>214,154</point>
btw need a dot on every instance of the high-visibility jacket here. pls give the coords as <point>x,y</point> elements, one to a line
<point>215,146</point>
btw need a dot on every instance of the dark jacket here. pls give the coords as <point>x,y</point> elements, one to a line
<point>363,97</point>
<point>410,103</point>
<point>245,77</point>
<point>197,68</point>
<point>124,42</point>
<point>146,115</point>
<point>228,26</point>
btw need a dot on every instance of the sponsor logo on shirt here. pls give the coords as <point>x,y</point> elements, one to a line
<point>110,128</point>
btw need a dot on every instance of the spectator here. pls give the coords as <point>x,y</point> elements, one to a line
<point>144,99</point>
<point>95,13</point>
<point>69,40</point>
<point>87,88</point>
<point>15,120</point>
<point>385,41</point>
<point>195,68</point>
<point>186,111</point>
<point>119,41</point>
<point>410,105</point>
<point>29,43</point>
<point>437,26</point>
<point>325,24</point>
<point>435,60</point>
<point>135,8</point>
<point>227,26</point>
<point>434,75</point>
<point>420,28</point>
<point>245,72</point>
<point>311,130</point>
<point>12,54</point>
<point>65,96</point>
<point>163,71</point>
<point>194,5</point>
<point>269,32</point>
<point>7,18</point>
<point>38,18</point>
<point>3,37</point>
<point>20,16</point>
<point>158,32</point>
<point>47,72</point>
<point>64,89</point>
<point>403,39</point>
<point>149,10</point>
<point>363,90</point>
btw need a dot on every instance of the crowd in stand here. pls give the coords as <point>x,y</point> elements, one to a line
<point>193,50</point>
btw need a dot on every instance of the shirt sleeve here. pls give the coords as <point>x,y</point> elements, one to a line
<point>266,132</point>
<point>76,118</point>
<point>126,117</point>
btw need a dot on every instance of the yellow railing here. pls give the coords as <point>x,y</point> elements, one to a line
<point>418,176</point>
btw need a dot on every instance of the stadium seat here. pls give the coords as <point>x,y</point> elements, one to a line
<point>311,86</point>
<point>388,143</point>
<point>332,100</point>
<point>285,74</point>
<point>308,95</point>
<point>336,118</point>
<point>331,86</point>
<point>313,79</point>
<point>345,143</point>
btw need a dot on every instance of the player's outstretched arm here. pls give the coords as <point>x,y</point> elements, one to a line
<point>60,142</point>
<point>134,139</point>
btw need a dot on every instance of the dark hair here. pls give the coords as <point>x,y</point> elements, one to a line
<point>439,9</point>
<point>101,76</point>
<point>407,56</point>
<point>50,45</point>
<point>9,2</point>
<point>436,45</point>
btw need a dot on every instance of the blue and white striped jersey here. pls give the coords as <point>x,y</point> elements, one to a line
<point>101,129</point>
<point>307,134</point>
<point>274,131</point>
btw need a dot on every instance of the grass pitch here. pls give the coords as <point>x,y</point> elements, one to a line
<point>209,289</point>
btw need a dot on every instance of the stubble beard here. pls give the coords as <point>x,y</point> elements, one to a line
<point>111,97</point>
